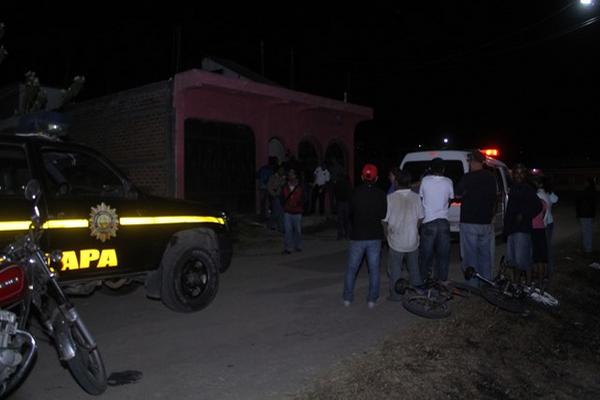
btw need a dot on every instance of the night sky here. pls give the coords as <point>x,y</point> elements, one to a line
<point>511,74</point>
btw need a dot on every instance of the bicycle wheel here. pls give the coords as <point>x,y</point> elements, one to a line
<point>426,307</point>
<point>502,301</point>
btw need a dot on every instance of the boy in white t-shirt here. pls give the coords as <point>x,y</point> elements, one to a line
<point>436,191</point>
<point>404,215</point>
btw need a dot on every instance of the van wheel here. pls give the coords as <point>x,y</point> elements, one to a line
<point>190,279</point>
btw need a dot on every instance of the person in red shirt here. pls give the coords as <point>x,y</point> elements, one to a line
<point>293,207</point>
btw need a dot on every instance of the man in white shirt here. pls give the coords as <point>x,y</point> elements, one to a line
<point>436,191</point>
<point>404,215</point>
<point>322,177</point>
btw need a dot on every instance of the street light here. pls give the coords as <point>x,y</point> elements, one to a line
<point>445,140</point>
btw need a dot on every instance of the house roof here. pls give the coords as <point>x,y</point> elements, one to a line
<point>241,70</point>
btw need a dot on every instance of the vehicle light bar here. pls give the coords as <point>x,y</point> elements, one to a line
<point>491,152</point>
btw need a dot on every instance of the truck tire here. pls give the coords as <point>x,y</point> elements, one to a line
<point>190,277</point>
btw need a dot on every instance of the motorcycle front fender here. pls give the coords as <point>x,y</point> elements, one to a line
<point>62,336</point>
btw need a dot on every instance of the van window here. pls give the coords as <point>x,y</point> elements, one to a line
<point>418,169</point>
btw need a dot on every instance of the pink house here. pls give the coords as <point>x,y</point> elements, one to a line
<point>275,119</point>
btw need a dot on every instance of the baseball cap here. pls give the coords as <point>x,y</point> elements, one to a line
<point>369,172</point>
<point>477,156</point>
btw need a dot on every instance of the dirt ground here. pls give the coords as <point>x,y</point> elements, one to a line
<point>480,352</point>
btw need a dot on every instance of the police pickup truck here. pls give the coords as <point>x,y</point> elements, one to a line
<point>111,235</point>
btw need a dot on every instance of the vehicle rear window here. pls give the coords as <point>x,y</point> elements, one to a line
<point>418,169</point>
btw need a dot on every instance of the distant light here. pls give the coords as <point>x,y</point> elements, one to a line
<point>445,140</point>
<point>586,2</point>
<point>491,152</point>
<point>420,146</point>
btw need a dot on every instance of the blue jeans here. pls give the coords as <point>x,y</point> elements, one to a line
<point>395,269</point>
<point>587,230</point>
<point>293,231</point>
<point>476,241</point>
<point>518,250</point>
<point>435,244</point>
<point>356,252</point>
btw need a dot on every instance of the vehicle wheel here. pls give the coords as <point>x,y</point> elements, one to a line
<point>426,307</point>
<point>87,366</point>
<point>502,301</point>
<point>190,280</point>
<point>118,287</point>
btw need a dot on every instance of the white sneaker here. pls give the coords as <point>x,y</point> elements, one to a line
<point>347,303</point>
<point>371,304</point>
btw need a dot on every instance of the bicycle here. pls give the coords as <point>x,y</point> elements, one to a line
<point>429,300</point>
<point>508,294</point>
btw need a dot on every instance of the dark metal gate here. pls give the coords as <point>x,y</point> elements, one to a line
<point>220,164</point>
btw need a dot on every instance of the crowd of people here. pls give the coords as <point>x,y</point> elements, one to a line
<point>411,220</point>
<point>287,191</point>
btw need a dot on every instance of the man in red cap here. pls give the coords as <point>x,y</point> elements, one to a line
<point>367,208</point>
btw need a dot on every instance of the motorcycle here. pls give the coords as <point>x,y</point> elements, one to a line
<point>28,288</point>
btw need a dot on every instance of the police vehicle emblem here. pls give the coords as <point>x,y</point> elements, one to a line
<point>104,222</point>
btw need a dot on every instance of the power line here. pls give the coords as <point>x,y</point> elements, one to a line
<point>491,42</point>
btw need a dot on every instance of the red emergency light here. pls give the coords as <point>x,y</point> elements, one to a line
<point>491,152</point>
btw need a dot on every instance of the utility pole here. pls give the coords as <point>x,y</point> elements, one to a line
<point>262,57</point>
<point>348,80</point>
<point>292,69</point>
<point>177,48</point>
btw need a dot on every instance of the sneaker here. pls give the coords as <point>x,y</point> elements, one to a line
<point>347,303</point>
<point>286,252</point>
<point>298,249</point>
<point>371,304</point>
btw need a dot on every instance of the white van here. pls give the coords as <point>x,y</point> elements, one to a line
<point>457,164</point>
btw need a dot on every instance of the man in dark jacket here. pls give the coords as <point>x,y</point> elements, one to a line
<point>368,208</point>
<point>523,205</point>
<point>478,192</point>
<point>585,207</point>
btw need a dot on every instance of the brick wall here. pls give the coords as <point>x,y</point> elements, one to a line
<point>133,129</point>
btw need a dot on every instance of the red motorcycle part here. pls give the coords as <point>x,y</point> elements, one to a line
<point>12,284</point>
